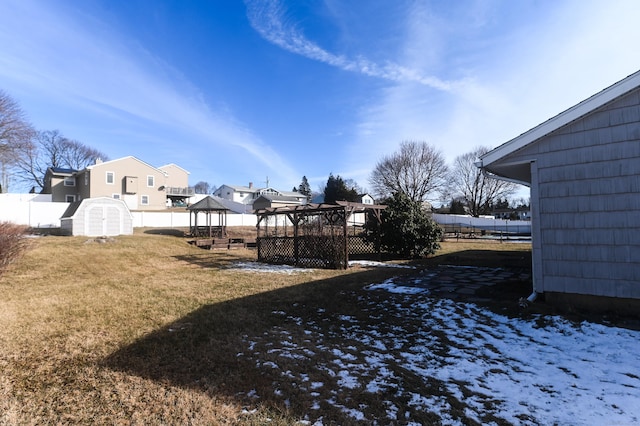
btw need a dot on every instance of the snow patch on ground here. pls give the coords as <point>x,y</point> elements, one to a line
<point>539,371</point>
<point>372,264</point>
<point>258,267</point>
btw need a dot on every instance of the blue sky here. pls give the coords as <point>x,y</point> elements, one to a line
<point>238,92</point>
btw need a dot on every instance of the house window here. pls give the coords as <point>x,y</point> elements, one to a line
<point>116,196</point>
<point>69,198</point>
<point>70,181</point>
<point>111,178</point>
<point>150,181</point>
<point>144,200</point>
<point>86,178</point>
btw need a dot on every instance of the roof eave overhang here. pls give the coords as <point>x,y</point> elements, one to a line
<point>583,108</point>
<point>523,177</point>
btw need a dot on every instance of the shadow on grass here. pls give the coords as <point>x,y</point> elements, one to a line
<point>200,351</point>
<point>173,232</point>
<point>222,259</point>
<point>511,259</point>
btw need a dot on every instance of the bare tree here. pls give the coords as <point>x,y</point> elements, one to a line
<point>478,190</point>
<point>51,149</point>
<point>15,134</point>
<point>77,155</point>
<point>418,170</point>
<point>203,187</point>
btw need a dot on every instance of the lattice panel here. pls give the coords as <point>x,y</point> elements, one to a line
<point>358,245</point>
<point>313,251</point>
<point>275,250</point>
<point>313,235</point>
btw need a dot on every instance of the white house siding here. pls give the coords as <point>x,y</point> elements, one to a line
<point>238,194</point>
<point>586,202</point>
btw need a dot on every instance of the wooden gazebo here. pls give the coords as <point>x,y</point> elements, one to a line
<point>207,227</point>
<point>313,235</point>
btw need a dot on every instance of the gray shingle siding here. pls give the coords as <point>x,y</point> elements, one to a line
<point>589,202</point>
<point>589,186</point>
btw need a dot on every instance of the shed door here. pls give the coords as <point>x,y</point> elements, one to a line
<point>113,222</point>
<point>103,220</point>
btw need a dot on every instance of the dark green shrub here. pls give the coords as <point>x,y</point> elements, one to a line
<point>406,228</point>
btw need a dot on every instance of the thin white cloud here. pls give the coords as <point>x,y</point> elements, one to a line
<point>268,18</point>
<point>79,63</point>
<point>515,80</point>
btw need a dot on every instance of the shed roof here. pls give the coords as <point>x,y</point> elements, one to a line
<point>74,206</point>
<point>72,209</point>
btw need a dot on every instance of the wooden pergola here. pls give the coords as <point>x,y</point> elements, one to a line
<point>309,234</point>
<point>210,207</point>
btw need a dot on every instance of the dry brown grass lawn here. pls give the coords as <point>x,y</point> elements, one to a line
<point>145,329</point>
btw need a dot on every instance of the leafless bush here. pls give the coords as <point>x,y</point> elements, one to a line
<point>13,242</point>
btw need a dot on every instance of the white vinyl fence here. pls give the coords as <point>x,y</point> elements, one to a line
<point>454,221</point>
<point>37,211</point>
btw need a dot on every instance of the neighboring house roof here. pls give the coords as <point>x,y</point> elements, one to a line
<point>123,158</point>
<point>268,190</point>
<point>279,198</point>
<point>173,165</point>
<point>241,188</point>
<point>233,206</point>
<point>207,204</point>
<point>319,198</point>
<point>583,108</point>
<point>60,171</point>
<point>294,194</point>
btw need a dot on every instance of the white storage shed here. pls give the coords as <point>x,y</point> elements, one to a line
<point>96,217</point>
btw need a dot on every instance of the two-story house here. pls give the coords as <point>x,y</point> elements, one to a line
<point>249,194</point>
<point>176,185</point>
<point>140,185</point>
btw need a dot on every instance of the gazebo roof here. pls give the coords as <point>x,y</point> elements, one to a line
<point>207,204</point>
<point>320,207</point>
